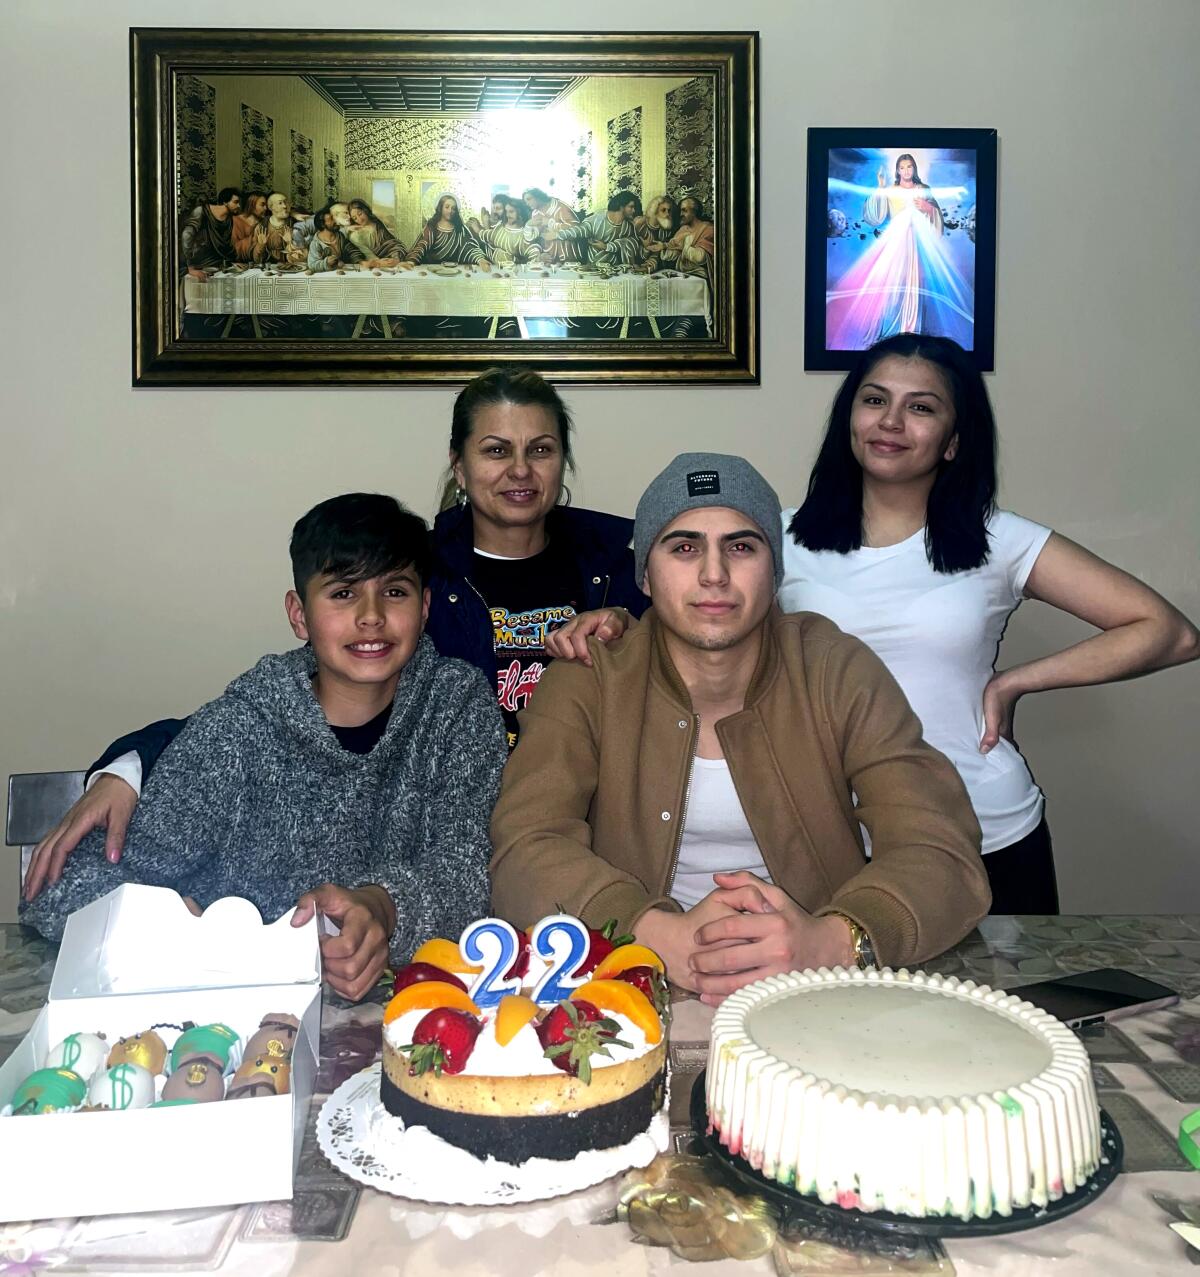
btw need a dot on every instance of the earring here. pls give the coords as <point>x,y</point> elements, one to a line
<point>564,495</point>
<point>460,496</point>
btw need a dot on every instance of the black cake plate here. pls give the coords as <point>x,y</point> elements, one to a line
<point>808,1208</point>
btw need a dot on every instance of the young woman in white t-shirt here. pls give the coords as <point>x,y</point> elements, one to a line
<point>900,543</point>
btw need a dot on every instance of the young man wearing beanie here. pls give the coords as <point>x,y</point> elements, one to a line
<point>698,780</point>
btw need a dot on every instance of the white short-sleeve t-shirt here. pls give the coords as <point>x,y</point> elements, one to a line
<point>939,635</point>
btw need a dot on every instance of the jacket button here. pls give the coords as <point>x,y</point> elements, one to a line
<point>666,815</point>
<point>453,598</point>
<point>595,580</point>
<point>683,722</point>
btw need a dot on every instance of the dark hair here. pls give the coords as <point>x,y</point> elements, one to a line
<point>522,208</point>
<point>455,218</point>
<point>504,385</point>
<point>366,208</point>
<point>357,536</point>
<point>319,216</point>
<point>226,193</point>
<point>916,172</point>
<point>963,495</point>
<point>537,193</point>
<point>621,198</point>
<point>695,200</point>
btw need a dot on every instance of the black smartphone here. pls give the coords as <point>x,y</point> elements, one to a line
<point>1091,997</point>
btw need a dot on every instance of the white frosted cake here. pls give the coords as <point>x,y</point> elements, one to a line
<point>885,1090</point>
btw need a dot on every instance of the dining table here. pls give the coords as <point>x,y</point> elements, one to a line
<point>528,293</point>
<point>1146,1070</point>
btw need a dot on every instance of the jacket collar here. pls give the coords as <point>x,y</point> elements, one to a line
<point>663,669</point>
<point>583,533</point>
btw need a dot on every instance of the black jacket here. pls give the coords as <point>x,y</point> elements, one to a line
<point>458,617</point>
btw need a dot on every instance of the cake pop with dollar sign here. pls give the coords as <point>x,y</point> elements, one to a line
<point>146,1049</point>
<point>82,1053</point>
<point>123,1086</point>
<point>196,1081</point>
<point>263,1075</point>
<point>49,1091</point>
<point>275,1035</point>
<point>212,1042</point>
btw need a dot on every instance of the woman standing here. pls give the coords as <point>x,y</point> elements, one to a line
<point>899,542</point>
<point>513,561</point>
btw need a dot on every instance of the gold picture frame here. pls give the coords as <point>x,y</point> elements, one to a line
<point>242,140</point>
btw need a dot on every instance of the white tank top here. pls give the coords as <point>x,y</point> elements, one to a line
<point>716,835</point>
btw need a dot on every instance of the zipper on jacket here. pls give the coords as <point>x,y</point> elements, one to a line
<point>482,600</point>
<point>687,790</point>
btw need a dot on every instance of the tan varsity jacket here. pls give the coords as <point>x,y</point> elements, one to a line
<point>594,797</point>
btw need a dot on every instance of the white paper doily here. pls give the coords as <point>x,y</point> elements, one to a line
<point>363,1140</point>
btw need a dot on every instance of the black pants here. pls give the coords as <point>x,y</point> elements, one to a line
<point>1022,875</point>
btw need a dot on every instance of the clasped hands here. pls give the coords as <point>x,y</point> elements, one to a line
<point>744,930</point>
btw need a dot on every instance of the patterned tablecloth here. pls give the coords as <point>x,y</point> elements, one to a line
<point>522,293</point>
<point>1147,1070</point>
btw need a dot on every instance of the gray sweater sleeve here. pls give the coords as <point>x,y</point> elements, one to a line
<point>441,883</point>
<point>186,819</point>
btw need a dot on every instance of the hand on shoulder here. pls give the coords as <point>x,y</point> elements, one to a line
<point>605,625</point>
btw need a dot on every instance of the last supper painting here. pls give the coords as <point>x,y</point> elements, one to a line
<point>377,206</point>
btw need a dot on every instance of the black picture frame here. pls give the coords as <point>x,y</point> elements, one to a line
<point>167,65</point>
<point>877,296</point>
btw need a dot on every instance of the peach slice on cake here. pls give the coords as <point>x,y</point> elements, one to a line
<point>624,999</point>
<point>624,957</point>
<point>512,1015</point>
<point>444,954</point>
<point>426,996</point>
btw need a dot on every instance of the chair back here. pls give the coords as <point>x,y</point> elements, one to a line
<point>37,801</point>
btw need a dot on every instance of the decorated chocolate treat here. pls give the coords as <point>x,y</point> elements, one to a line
<point>146,1049</point>
<point>204,1042</point>
<point>123,1086</point>
<point>49,1091</point>
<point>195,1079</point>
<point>82,1053</point>
<point>276,1036</point>
<point>170,1104</point>
<point>264,1075</point>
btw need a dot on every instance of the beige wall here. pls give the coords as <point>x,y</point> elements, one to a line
<point>143,534</point>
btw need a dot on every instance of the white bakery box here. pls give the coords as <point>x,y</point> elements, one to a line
<point>135,958</point>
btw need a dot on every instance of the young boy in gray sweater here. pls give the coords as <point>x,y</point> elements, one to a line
<point>355,775</point>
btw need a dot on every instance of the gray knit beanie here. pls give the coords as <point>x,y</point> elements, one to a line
<point>697,479</point>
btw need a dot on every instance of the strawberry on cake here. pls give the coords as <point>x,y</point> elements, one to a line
<point>520,1080</point>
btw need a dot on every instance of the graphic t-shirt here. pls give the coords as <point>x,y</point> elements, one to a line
<point>527,599</point>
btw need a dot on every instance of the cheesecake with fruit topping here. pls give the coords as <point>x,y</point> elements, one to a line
<point>522,1080</point>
